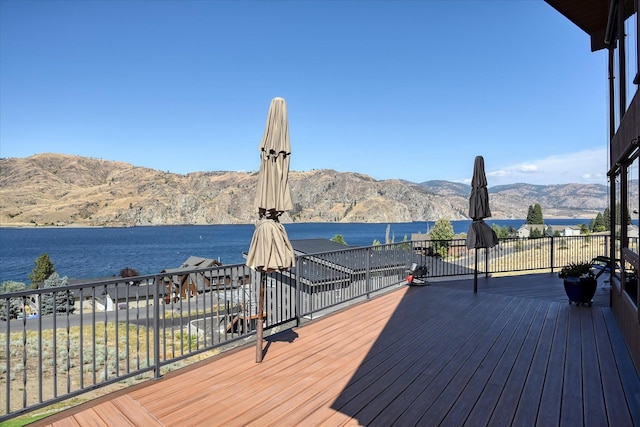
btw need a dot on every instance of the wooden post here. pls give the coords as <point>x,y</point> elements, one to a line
<point>259,326</point>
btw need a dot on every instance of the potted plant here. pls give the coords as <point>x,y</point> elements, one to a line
<point>631,284</point>
<point>580,283</point>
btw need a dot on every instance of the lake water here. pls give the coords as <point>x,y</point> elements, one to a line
<point>84,253</point>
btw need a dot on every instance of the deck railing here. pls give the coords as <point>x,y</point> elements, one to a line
<point>511,254</point>
<point>120,331</point>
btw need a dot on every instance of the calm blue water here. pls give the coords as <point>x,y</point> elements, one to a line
<point>84,253</point>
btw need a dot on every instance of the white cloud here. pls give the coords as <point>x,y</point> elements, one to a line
<point>585,167</point>
<point>527,168</point>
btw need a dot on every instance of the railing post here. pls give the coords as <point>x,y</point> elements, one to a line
<point>552,253</point>
<point>8,352</point>
<point>296,291</point>
<point>367,274</point>
<point>156,326</point>
<point>486,263</point>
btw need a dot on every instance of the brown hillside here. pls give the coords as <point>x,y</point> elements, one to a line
<point>56,189</point>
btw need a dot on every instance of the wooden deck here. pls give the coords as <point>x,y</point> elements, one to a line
<point>515,353</point>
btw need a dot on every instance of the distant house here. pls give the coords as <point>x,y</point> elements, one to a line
<point>549,230</point>
<point>564,230</point>
<point>186,281</point>
<point>118,297</point>
<point>349,267</point>
<point>632,232</point>
<point>104,297</point>
<point>422,244</point>
<point>524,232</point>
<point>330,271</point>
<point>322,269</point>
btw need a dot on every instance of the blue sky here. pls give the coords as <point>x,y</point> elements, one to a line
<point>392,89</point>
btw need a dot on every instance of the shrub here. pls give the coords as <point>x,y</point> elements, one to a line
<point>129,272</point>
<point>57,302</point>
<point>11,306</point>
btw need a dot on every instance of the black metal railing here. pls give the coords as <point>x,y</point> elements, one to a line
<point>119,331</point>
<point>510,255</point>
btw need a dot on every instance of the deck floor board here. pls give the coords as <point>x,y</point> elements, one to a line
<point>514,353</point>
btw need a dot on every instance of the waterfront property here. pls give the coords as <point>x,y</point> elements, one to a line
<point>97,348</point>
<point>415,356</point>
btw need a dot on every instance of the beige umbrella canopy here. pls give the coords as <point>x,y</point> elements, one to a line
<point>270,248</point>
<point>273,195</point>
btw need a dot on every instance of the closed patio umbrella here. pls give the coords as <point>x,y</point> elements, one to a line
<point>480,235</point>
<point>270,248</point>
<point>274,195</point>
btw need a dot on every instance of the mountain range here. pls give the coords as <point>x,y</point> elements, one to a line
<point>65,190</point>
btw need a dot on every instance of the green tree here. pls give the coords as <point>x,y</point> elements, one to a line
<point>606,218</point>
<point>339,239</point>
<point>586,231</point>
<point>534,214</point>
<point>14,305</point>
<point>619,215</point>
<point>535,233</point>
<point>529,219</point>
<point>57,302</point>
<point>441,235</point>
<point>501,232</point>
<point>406,243</point>
<point>598,224</point>
<point>537,214</point>
<point>43,269</point>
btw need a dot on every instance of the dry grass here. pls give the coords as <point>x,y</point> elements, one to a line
<point>516,255</point>
<point>71,361</point>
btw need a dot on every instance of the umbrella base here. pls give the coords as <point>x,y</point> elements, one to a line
<point>417,282</point>
<point>417,274</point>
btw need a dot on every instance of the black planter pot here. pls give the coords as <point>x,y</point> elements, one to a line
<point>580,290</point>
<point>631,286</point>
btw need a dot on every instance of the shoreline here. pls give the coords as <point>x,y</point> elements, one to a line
<point>490,219</point>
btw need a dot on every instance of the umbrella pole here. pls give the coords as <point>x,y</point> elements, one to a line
<point>259,326</point>
<point>475,274</point>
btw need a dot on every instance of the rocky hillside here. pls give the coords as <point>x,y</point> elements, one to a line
<point>512,201</point>
<point>54,189</point>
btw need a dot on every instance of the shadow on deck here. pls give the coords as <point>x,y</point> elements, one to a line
<point>514,353</point>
